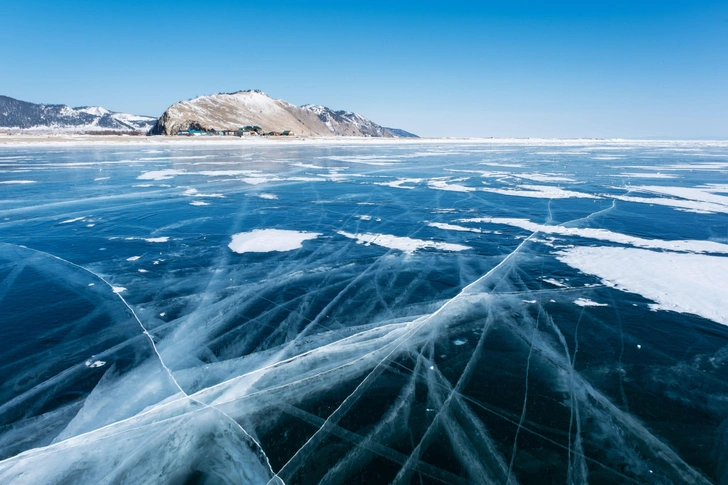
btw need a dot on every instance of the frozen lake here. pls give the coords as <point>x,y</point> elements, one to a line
<point>410,313</point>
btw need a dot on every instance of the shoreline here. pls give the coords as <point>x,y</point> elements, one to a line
<point>72,140</point>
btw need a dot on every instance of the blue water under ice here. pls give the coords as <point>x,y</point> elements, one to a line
<point>447,318</point>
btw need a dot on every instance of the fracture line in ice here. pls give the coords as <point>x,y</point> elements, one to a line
<point>164,366</point>
<point>379,368</point>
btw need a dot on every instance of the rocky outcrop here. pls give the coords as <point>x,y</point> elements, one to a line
<point>22,115</point>
<point>231,111</point>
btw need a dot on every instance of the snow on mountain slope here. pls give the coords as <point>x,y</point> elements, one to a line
<point>231,111</point>
<point>22,115</point>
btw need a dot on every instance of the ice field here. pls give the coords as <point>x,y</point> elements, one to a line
<point>384,312</point>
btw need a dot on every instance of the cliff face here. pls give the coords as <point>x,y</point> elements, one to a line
<point>232,111</point>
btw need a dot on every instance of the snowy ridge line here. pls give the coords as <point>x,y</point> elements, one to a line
<point>167,369</point>
<point>378,369</point>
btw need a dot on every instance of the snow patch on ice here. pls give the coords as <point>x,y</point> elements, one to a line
<point>685,283</point>
<point>693,246</point>
<point>267,240</point>
<point>400,183</point>
<point>404,244</point>
<point>585,302</point>
<point>69,221</point>
<point>540,192</point>
<point>452,227</point>
<point>449,186</point>
<point>160,174</point>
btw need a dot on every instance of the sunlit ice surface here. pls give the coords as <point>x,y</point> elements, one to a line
<point>411,313</point>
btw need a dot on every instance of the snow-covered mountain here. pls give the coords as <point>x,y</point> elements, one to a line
<point>230,111</point>
<point>22,115</point>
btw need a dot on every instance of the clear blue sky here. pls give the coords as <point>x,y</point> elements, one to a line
<point>447,68</point>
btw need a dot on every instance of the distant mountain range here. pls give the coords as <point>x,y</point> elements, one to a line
<point>231,111</point>
<point>214,113</point>
<point>22,115</point>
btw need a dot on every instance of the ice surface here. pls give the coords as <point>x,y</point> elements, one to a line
<point>468,329</point>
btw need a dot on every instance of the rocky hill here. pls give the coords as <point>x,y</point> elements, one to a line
<point>22,115</point>
<point>230,111</point>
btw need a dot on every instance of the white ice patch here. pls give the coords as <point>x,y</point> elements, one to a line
<point>685,283</point>
<point>257,180</point>
<point>692,246</point>
<point>199,203</point>
<point>554,282</point>
<point>699,199</point>
<point>133,258</point>
<point>449,186</point>
<point>69,221</point>
<point>160,174</point>
<point>541,192</point>
<point>679,204</point>
<point>266,240</point>
<point>646,175</point>
<point>118,289</point>
<point>18,182</point>
<point>404,244</point>
<point>540,177</point>
<point>162,239</point>
<point>94,363</point>
<point>192,192</point>
<point>399,183</point>
<point>584,302</point>
<point>267,196</point>
<point>366,159</point>
<point>452,227</point>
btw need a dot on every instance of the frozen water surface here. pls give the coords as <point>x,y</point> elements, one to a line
<point>411,313</point>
